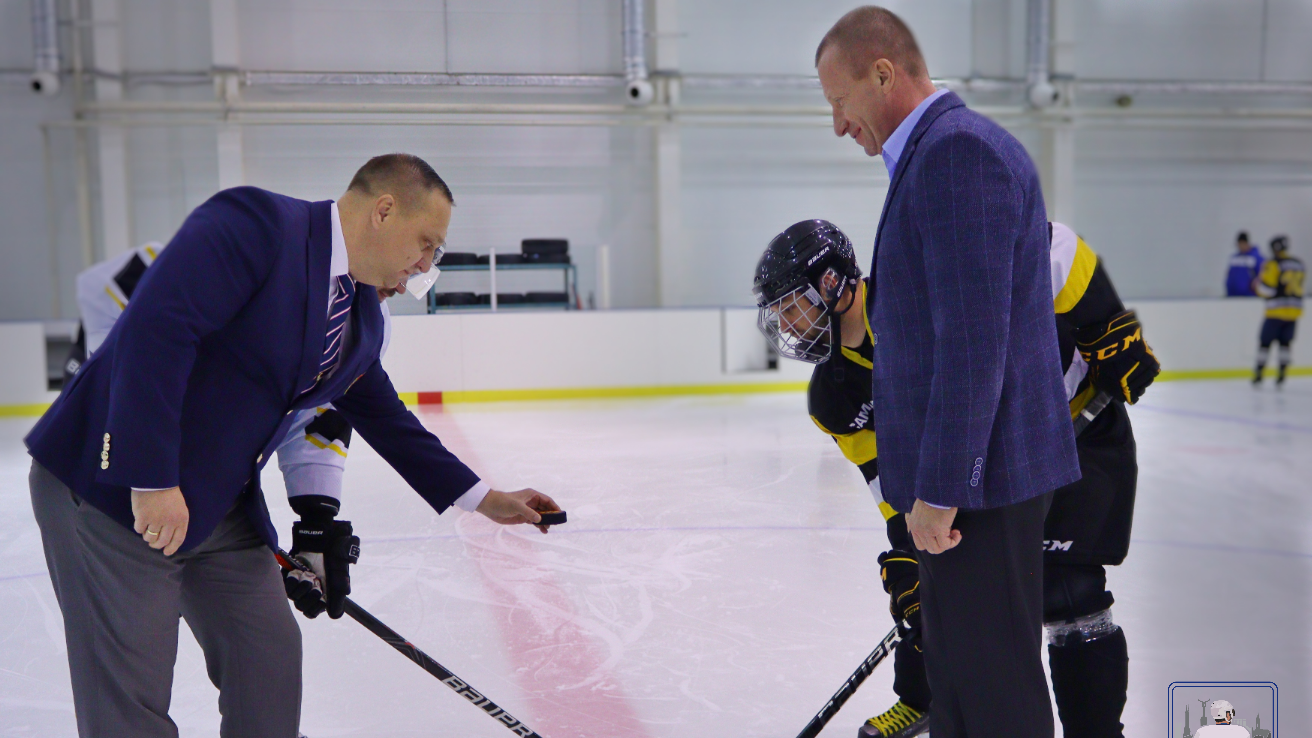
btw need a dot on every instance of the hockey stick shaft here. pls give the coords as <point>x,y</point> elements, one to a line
<point>426,662</point>
<point>849,687</point>
<point>1099,403</point>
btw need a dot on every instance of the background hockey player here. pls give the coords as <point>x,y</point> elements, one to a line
<point>1222,715</point>
<point>312,457</point>
<point>1281,283</point>
<point>807,286</point>
<point>1245,264</point>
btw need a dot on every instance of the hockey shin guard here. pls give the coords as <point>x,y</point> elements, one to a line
<point>1089,681</point>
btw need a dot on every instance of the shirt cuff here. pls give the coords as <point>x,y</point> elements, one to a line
<point>472,498</point>
<point>937,507</point>
<point>150,489</point>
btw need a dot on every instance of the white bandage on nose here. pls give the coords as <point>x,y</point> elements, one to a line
<point>419,284</point>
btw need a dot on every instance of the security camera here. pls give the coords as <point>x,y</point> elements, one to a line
<point>1044,95</point>
<point>639,92</point>
<point>45,83</point>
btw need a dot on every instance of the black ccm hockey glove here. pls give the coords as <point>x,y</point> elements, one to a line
<point>1120,362</point>
<point>901,577</point>
<point>328,547</point>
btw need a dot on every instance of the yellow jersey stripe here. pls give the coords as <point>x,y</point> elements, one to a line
<point>857,359</point>
<point>114,297</point>
<point>1078,280</point>
<point>858,447</point>
<point>321,444</point>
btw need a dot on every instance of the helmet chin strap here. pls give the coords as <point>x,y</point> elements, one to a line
<point>836,332</point>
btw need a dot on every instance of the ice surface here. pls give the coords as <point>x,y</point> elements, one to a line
<point>717,577</point>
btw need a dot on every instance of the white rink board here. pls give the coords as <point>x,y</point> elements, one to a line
<point>717,576</point>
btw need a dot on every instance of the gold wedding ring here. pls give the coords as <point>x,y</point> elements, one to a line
<point>152,533</point>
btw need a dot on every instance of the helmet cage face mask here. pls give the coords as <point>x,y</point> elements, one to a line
<point>799,324</point>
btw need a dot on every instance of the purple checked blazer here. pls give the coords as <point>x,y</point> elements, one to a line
<point>969,405</point>
<point>197,383</point>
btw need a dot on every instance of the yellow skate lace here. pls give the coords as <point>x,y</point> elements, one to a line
<point>895,718</point>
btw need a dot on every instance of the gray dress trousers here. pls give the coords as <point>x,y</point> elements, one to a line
<point>122,600</point>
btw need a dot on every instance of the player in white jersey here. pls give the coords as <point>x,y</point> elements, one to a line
<point>1222,714</point>
<point>312,457</point>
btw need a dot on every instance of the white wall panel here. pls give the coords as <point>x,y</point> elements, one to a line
<point>780,36</point>
<point>166,35</point>
<point>343,35</point>
<point>1163,206</point>
<point>535,36</point>
<point>1169,39</point>
<point>1287,34</point>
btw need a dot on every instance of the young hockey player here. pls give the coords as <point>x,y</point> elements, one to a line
<point>811,295</point>
<point>1281,283</point>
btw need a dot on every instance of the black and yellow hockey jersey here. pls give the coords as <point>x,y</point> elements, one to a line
<point>839,395</point>
<point>1281,283</point>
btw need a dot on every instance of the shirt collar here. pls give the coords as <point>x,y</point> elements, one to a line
<point>338,265</point>
<point>892,148</point>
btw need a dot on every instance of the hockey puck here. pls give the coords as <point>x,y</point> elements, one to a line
<point>552,518</point>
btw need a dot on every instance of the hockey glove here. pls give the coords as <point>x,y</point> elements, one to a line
<point>328,547</point>
<point>1120,362</point>
<point>900,574</point>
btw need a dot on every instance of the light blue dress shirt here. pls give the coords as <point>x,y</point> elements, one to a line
<point>892,148</point>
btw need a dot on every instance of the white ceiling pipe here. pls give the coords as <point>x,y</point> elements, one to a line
<point>639,90</point>
<point>350,79</point>
<point>1038,44</point>
<point>45,47</point>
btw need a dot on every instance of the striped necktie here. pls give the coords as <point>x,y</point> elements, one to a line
<point>338,313</point>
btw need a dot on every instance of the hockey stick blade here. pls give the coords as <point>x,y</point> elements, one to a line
<point>426,662</point>
<point>1099,403</point>
<point>849,687</point>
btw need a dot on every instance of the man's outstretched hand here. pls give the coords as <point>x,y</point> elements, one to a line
<point>513,508</point>
<point>931,528</point>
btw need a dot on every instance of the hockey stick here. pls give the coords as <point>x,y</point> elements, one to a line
<point>1099,402</point>
<point>394,639</point>
<point>849,687</point>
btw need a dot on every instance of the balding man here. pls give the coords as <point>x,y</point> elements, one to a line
<point>968,399</point>
<point>145,478</point>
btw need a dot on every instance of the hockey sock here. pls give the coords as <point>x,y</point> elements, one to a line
<point>1285,359</point>
<point>1089,680</point>
<point>1262,355</point>
<point>910,683</point>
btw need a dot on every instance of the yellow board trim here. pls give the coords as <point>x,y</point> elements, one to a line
<point>34,410</point>
<point>589,393</point>
<point>1077,282</point>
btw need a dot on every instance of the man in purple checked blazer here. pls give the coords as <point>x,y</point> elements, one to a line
<point>969,407</point>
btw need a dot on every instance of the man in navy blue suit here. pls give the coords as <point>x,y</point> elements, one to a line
<point>968,400</point>
<point>145,478</point>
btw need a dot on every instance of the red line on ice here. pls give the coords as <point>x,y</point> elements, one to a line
<point>559,666</point>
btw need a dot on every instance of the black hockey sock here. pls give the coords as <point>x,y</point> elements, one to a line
<point>1089,680</point>
<point>909,680</point>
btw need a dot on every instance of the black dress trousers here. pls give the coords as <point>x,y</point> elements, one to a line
<point>982,613</point>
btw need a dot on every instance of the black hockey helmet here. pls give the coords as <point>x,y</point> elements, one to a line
<point>813,261</point>
<point>1280,245</point>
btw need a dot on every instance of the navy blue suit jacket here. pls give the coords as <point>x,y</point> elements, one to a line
<point>969,405</point>
<point>197,382</point>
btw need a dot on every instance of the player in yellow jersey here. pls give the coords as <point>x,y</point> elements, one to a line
<point>811,296</point>
<point>1281,283</point>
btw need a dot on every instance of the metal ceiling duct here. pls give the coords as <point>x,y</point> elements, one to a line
<point>45,47</point>
<point>639,90</point>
